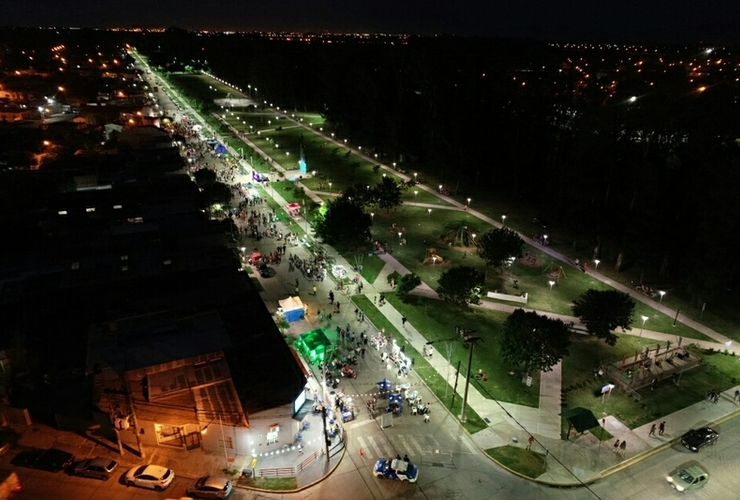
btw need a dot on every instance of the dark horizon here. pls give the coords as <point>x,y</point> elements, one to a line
<point>673,21</point>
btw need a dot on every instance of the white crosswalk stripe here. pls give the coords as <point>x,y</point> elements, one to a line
<point>411,445</point>
<point>372,448</point>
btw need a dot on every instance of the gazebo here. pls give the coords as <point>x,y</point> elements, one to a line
<point>315,346</point>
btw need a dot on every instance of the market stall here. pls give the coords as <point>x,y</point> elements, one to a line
<point>293,209</point>
<point>292,308</point>
<point>315,346</point>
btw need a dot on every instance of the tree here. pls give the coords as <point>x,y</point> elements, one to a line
<point>406,284</point>
<point>536,341</point>
<point>498,246</point>
<point>461,285</point>
<point>204,177</point>
<point>218,192</point>
<point>342,223</point>
<point>387,194</point>
<point>604,311</point>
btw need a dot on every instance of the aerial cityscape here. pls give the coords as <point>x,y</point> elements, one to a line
<point>400,251</point>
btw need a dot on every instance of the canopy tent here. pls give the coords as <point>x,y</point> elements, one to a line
<point>221,149</point>
<point>294,209</point>
<point>385,384</point>
<point>255,257</point>
<point>315,346</point>
<point>395,398</point>
<point>582,419</point>
<point>292,308</point>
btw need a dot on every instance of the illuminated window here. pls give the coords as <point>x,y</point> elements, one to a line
<point>62,212</point>
<point>90,209</point>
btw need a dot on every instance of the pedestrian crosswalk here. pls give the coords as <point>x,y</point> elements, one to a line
<point>413,445</point>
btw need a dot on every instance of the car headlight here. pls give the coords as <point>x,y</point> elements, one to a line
<point>679,488</point>
<point>669,479</point>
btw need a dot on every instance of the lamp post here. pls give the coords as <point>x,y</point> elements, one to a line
<point>372,215</point>
<point>551,282</point>
<point>415,174</point>
<point>503,220</point>
<point>597,261</point>
<point>471,343</point>
<point>469,201</point>
<point>399,236</point>
<point>440,188</point>
<point>429,211</point>
<point>662,293</point>
<point>450,346</point>
<point>644,319</point>
<point>415,193</point>
<point>330,187</point>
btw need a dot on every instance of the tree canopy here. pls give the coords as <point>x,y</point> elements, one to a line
<point>537,342</point>
<point>461,285</point>
<point>497,246</point>
<point>406,284</point>
<point>604,311</point>
<point>342,222</point>
<point>387,194</point>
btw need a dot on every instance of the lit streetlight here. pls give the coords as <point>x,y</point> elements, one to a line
<point>415,193</point>
<point>429,211</point>
<point>503,220</point>
<point>644,319</point>
<point>662,293</point>
<point>415,174</point>
<point>330,187</point>
<point>597,261</point>
<point>551,282</point>
<point>399,236</point>
<point>440,188</point>
<point>469,201</point>
<point>372,215</point>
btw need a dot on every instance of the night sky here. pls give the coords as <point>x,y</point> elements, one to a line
<point>667,20</point>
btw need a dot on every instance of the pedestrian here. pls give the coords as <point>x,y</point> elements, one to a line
<point>622,447</point>
<point>406,458</point>
<point>314,290</point>
<point>362,352</point>
<point>331,297</point>
<point>529,442</point>
<point>296,282</point>
<point>426,418</point>
<point>661,428</point>
<point>652,430</point>
<point>737,395</point>
<point>616,446</point>
<point>653,384</point>
<point>403,320</point>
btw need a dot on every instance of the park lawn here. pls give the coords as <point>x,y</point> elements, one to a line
<point>526,462</point>
<point>371,267</point>
<point>718,371</point>
<point>270,483</point>
<point>437,321</point>
<point>433,380</point>
<point>423,196</point>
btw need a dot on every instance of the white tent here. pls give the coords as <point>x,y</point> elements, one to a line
<point>292,308</point>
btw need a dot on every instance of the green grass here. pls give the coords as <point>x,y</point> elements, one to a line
<point>437,321</point>
<point>270,483</point>
<point>434,381</point>
<point>525,462</point>
<point>371,267</point>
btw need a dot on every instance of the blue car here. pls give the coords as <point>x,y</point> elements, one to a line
<point>396,469</point>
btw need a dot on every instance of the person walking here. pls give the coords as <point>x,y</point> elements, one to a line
<point>622,447</point>
<point>331,297</point>
<point>652,430</point>
<point>661,428</point>
<point>314,290</point>
<point>529,442</point>
<point>403,321</point>
<point>616,446</point>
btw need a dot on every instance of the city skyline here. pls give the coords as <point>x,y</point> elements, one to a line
<point>668,21</point>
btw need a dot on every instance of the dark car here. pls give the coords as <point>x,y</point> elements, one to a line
<point>98,467</point>
<point>52,460</point>
<point>264,270</point>
<point>211,487</point>
<point>696,439</point>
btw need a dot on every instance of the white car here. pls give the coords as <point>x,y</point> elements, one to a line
<point>154,477</point>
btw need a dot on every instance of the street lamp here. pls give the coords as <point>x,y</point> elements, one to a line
<point>644,319</point>
<point>661,292</point>
<point>372,215</point>
<point>399,236</point>
<point>471,343</point>
<point>551,282</point>
<point>597,261</point>
<point>503,220</point>
<point>330,187</point>
<point>429,211</point>
<point>469,201</point>
<point>415,174</point>
<point>415,193</point>
<point>440,188</point>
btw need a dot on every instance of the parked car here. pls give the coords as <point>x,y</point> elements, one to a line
<point>696,439</point>
<point>396,469</point>
<point>210,487</point>
<point>689,478</point>
<point>52,460</point>
<point>98,467</point>
<point>154,477</point>
<point>264,270</point>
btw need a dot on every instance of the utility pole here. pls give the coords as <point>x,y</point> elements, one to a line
<point>454,389</point>
<point>471,343</point>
